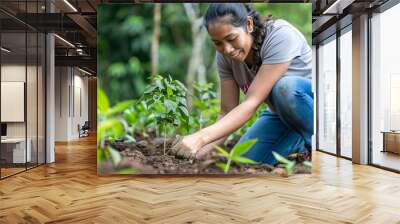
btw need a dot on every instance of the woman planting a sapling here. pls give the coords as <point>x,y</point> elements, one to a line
<point>270,61</point>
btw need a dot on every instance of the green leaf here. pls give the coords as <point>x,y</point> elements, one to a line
<point>180,85</point>
<point>243,147</point>
<point>150,89</point>
<point>117,69</point>
<point>280,158</point>
<point>170,105</point>
<point>171,85</point>
<point>102,101</point>
<point>164,83</point>
<point>245,160</point>
<point>169,77</point>
<point>130,139</point>
<point>184,110</point>
<point>112,127</point>
<point>119,107</point>
<point>181,100</point>
<point>117,130</point>
<point>307,164</point>
<point>159,85</point>
<point>100,155</point>
<point>100,134</point>
<point>115,155</point>
<point>148,102</point>
<point>170,92</point>
<point>221,150</point>
<point>130,116</point>
<point>176,122</point>
<point>290,167</point>
<point>222,166</point>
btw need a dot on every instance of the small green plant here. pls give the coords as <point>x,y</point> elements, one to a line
<point>166,98</point>
<point>289,164</point>
<point>307,164</point>
<point>235,154</point>
<point>138,119</point>
<point>204,102</point>
<point>111,126</point>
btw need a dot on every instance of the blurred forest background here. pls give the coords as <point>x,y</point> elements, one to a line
<point>138,40</point>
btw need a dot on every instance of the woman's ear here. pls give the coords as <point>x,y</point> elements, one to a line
<point>250,24</point>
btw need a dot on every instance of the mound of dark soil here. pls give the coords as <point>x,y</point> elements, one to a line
<point>147,157</point>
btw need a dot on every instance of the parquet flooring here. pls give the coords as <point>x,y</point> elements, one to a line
<point>9,171</point>
<point>69,191</point>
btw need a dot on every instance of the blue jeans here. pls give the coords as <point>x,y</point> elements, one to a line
<point>289,128</point>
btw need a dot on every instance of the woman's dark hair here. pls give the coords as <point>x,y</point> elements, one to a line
<point>236,14</point>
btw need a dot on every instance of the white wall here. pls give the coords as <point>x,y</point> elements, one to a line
<point>71,93</point>
<point>61,103</point>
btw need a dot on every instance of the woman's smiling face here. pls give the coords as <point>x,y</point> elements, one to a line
<point>234,42</point>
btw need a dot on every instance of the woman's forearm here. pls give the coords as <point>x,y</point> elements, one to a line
<point>230,122</point>
<point>219,141</point>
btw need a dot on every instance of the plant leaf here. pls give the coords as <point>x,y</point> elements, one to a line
<point>180,85</point>
<point>184,110</point>
<point>117,129</point>
<point>130,139</point>
<point>100,133</point>
<point>102,101</point>
<point>130,116</point>
<point>243,147</point>
<point>290,167</point>
<point>170,105</point>
<point>150,89</point>
<point>181,100</point>
<point>158,84</point>
<point>221,150</point>
<point>119,107</point>
<point>100,155</point>
<point>164,83</point>
<point>240,159</point>
<point>170,92</point>
<point>110,125</point>
<point>307,164</point>
<point>115,155</point>
<point>280,158</point>
<point>222,166</point>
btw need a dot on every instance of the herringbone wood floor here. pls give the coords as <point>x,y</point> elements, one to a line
<point>70,191</point>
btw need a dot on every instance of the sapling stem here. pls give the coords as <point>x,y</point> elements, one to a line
<point>228,164</point>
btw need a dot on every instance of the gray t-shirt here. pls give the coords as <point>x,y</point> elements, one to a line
<point>282,43</point>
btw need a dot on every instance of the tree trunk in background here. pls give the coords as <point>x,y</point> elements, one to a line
<point>196,70</point>
<point>155,39</point>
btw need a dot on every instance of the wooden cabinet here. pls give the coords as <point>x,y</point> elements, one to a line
<point>391,142</point>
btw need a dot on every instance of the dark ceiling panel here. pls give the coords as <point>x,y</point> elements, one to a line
<point>81,61</point>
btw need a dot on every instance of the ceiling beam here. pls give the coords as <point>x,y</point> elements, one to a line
<point>86,26</point>
<point>82,61</point>
<point>337,7</point>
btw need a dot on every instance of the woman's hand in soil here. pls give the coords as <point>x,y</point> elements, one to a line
<point>188,146</point>
<point>207,151</point>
